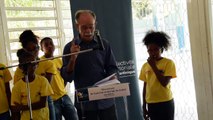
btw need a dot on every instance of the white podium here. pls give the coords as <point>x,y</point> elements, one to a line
<point>109,87</point>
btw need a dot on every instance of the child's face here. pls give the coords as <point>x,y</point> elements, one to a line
<point>32,48</point>
<point>32,66</point>
<point>48,47</point>
<point>154,51</point>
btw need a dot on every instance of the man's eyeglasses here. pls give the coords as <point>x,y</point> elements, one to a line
<point>85,27</point>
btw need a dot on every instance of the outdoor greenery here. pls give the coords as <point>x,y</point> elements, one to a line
<point>141,8</point>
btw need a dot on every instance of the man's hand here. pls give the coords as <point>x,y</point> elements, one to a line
<point>74,48</point>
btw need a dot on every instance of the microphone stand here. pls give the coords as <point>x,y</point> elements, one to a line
<point>82,111</point>
<point>100,42</point>
<point>28,90</point>
<point>51,58</point>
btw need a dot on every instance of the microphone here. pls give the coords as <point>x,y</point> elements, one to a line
<point>100,42</point>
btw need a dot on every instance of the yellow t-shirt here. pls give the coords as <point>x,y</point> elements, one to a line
<point>5,77</point>
<point>45,67</point>
<point>57,82</point>
<point>42,68</point>
<point>155,92</point>
<point>38,87</point>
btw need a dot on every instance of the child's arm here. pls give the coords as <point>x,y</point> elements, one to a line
<point>8,92</point>
<point>35,106</point>
<point>49,76</point>
<point>145,111</point>
<point>164,80</point>
<point>50,70</point>
<point>7,77</point>
<point>40,104</point>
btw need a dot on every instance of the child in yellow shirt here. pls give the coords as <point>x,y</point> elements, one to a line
<point>157,73</point>
<point>62,103</point>
<point>5,93</point>
<point>30,43</point>
<point>39,90</point>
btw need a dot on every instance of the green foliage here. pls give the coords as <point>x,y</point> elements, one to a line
<point>18,3</point>
<point>21,12</point>
<point>141,8</point>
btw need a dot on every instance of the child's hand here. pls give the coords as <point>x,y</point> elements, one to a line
<point>145,113</point>
<point>17,107</point>
<point>151,61</point>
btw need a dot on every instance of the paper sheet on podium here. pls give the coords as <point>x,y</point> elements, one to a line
<point>109,87</point>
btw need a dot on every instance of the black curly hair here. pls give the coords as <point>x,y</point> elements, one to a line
<point>28,36</point>
<point>157,37</point>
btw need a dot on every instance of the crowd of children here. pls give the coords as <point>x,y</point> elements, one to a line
<point>46,88</point>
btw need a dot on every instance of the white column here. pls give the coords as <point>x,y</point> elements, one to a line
<point>3,55</point>
<point>201,45</point>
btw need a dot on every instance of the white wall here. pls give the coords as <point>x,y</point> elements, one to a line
<point>3,58</point>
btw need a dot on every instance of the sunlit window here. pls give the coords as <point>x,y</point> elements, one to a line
<point>169,16</point>
<point>46,18</point>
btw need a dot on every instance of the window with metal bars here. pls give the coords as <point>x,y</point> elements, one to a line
<point>169,16</point>
<point>46,18</point>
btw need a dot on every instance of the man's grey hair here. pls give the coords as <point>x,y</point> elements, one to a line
<point>79,12</point>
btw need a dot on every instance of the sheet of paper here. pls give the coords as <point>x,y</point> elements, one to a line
<point>107,81</point>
